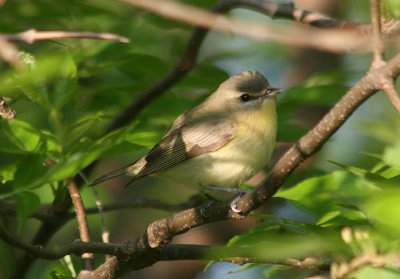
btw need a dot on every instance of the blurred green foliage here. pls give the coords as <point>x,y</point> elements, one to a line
<point>66,92</point>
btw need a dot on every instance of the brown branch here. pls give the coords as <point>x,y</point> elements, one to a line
<point>5,111</point>
<point>171,252</point>
<point>333,40</point>
<point>77,247</point>
<point>105,233</point>
<point>377,40</point>
<point>389,88</point>
<point>82,223</point>
<point>384,83</point>
<point>345,269</point>
<point>8,52</point>
<point>32,35</point>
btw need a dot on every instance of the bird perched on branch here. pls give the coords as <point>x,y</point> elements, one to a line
<point>223,141</point>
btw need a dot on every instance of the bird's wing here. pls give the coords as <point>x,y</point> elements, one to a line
<point>184,143</point>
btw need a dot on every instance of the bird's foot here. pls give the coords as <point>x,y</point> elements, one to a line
<point>234,203</point>
<point>204,207</point>
<point>239,193</point>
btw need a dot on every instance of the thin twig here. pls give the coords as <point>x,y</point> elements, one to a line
<point>32,35</point>
<point>377,260</point>
<point>82,223</point>
<point>8,52</point>
<point>377,40</point>
<point>300,36</point>
<point>77,247</point>
<point>389,88</point>
<point>105,233</point>
<point>171,252</point>
<point>385,83</point>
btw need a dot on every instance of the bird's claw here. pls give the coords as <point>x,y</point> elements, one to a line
<point>234,203</point>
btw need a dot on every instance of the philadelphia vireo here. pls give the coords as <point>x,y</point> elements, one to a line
<point>223,141</point>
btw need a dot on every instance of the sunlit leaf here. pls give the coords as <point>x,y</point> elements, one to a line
<point>392,156</point>
<point>18,136</point>
<point>383,208</point>
<point>393,8</point>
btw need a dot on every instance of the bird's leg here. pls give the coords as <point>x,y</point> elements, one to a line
<point>236,191</point>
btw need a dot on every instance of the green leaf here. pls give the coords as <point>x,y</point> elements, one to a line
<point>26,204</point>
<point>29,170</point>
<point>383,209</point>
<point>64,84</point>
<point>57,275</point>
<point>370,272</point>
<point>378,179</point>
<point>17,136</point>
<point>322,195</point>
<point>393,8</point>
<point>7,172</point>
<point>328,217</point>
<point>277,243</point>
<point>391,156</point>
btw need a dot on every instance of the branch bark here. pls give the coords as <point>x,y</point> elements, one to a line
<point>32,35</point>
<point>377,40</point>
<point>171,252</point>
<point>334,40</point>
<point>82,223</point>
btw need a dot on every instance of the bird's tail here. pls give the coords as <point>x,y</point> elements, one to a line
<point>110,175</point>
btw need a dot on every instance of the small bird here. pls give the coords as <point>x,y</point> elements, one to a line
<point>223,141</point>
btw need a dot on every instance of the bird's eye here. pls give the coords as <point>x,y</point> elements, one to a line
<point>245,97</point>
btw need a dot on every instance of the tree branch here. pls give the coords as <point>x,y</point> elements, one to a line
<point>377,40</point>
<point>77,247</point>
<point>8,52</point>
<point>384,83</point>
<point>32,35</point>
<point>301,36</point>
<point>345,269</point>
<point>82,223</point>
<point>171,252</point>
<point>390,90</point>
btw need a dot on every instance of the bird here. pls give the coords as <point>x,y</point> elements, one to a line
<point>223,141</point>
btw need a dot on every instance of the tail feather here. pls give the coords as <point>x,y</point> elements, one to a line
<point>110,175</point>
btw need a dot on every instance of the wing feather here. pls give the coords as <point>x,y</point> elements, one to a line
<point>184,143</point>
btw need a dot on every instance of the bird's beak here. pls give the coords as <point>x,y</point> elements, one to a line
<point>271,92</point>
